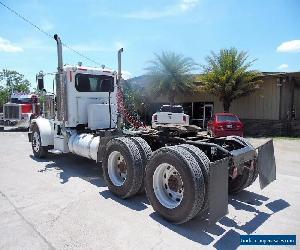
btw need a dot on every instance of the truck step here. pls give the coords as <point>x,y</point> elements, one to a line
<point>55,151</point>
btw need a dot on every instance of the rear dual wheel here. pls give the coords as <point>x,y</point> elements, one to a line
<point>174,184</point>
<point>145,152</point>
<point>203,162</point>
<point>123,167</point>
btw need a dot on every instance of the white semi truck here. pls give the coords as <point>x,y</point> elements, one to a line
<point>183,174</point>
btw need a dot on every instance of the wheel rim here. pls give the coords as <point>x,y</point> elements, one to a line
<point>117,168</point>
<point>168,185</point>
<point>36,142</point>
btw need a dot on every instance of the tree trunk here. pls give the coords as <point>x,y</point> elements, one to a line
<point>172,98</point>
<point>226,106</point>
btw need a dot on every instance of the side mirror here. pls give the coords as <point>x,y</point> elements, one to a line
<point>40,84</point>
<point>40,81</point>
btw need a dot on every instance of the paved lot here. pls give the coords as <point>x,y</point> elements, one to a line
<point>62,203</point>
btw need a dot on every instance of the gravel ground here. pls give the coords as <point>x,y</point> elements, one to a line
<point>62,203</point>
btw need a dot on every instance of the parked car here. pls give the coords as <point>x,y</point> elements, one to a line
<point>170,114</point>
<point>225,124</point>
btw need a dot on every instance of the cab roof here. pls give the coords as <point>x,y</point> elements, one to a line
<point>90,69</point>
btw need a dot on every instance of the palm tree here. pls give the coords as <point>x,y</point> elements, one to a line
<point>170,74</point>
<point>227,75</point>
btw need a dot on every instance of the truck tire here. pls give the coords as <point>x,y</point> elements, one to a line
<point>203,162</point>
<point>38,150</point>
<point>255,167</point>
<point>122,167</point>
<point>241,139</point>
<point>1,128</point>
<point>254,172</point>
<point>146,153</point>
<point>241,181</point>
<point>174,184</point>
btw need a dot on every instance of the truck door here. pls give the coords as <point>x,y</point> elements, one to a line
<point>207,114</point>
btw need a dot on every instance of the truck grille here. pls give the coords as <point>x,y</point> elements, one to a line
<point>12,111</point>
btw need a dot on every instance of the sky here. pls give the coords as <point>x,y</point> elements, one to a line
<point>268,30</point>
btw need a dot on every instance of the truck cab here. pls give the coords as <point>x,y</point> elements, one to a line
<point>19,111</point>
<point>85,102</point>
<point>90,97</point>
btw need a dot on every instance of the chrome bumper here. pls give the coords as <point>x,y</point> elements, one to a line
<point>15,123</point>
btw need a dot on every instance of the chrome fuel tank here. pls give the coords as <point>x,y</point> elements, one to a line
<point>85,145</point>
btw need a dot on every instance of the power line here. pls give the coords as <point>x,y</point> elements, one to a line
<point>46,33</point>
<point>78,53</point>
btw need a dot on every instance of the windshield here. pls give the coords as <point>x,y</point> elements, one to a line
<point>94,83</point>
<point>227,118</point>
<point>21,101</point>
<point>171,109</point>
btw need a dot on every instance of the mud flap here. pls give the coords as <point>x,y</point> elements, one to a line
<point>30,136</point>
<point>218,190</point>
<point>266,164</point>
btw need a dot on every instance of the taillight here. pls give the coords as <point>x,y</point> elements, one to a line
<point>218,125</point>
<point>184,118</point>
<point>155,118</point>
<point>239,125</point>
<point>26,108</point>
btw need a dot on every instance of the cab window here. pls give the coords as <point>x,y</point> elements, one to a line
<point>94,83</point>
<point>171,109</point>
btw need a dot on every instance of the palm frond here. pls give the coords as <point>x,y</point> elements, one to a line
<point>227,74</point>
<point>170,74</point>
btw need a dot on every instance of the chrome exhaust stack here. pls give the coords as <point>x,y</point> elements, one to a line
<point>120,89</point>
<point>61,97</point>
<point>120,65</point>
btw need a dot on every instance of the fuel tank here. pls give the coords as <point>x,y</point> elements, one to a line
<point>85,145</point>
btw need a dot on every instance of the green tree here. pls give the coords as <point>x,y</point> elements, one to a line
<point>14,81</point>
<point>11,81</point>
<point>227,75</point>
<point>4,95</point>
<point>170,74</point>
